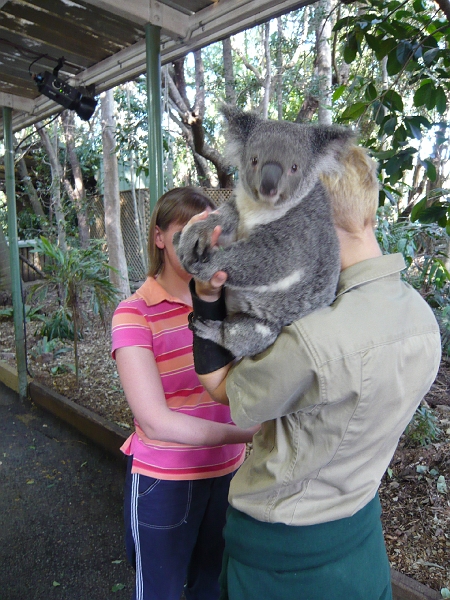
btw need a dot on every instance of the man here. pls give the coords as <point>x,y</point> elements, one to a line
<point>333,393</point>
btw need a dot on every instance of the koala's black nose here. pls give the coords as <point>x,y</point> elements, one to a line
<point>270,178</point>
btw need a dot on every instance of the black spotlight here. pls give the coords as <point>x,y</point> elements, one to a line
<point>66,95</point>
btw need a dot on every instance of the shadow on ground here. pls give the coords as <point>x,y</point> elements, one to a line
<point>61,525</point>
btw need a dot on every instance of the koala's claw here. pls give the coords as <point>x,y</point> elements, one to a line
<point>207,329</point>
<point>194,251</point>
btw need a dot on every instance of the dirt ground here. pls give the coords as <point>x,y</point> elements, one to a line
<point>415,491</point>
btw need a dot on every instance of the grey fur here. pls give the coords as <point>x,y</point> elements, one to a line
<point>278,244</point>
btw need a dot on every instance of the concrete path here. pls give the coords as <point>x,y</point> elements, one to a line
<point>61,526</point>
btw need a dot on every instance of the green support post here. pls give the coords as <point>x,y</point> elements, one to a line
<point>155,145</point>
<point>19,331</point>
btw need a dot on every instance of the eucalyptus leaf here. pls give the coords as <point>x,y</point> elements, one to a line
<point>338,92</point>
<point>371,92</point>
<point>350,48</point>
<point>419,6</point>
<point>441,485</point>
<point>424,95</point>
<point>385,48</point>
<point>390,125</point>
<point>418,209</point>
<point>404,51</point>
<point>354,111</point>
<point>431,170</point>
<point>393,66</point>
<point>441,100</point>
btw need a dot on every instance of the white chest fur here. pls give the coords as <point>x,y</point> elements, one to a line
<point>252,213</point>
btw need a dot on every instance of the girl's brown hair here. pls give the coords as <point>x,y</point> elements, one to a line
<point>176,206</point>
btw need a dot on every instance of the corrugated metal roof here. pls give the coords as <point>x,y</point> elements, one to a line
<point>103,41</point>
<point>34,35</point>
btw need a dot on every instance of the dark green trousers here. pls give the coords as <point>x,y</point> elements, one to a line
<point>340,560</point>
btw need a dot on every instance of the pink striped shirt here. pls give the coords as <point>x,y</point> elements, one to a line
<point>153,319</point>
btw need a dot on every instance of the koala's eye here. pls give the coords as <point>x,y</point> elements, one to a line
<point>254,161</point>
<point>294,168</point>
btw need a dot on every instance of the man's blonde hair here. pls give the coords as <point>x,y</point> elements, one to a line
<point>353,190</point>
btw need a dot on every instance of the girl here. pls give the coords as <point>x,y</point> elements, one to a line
<point>185,448</point>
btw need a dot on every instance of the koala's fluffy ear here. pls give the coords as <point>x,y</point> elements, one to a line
<point>329,143</point>
<point>240,123</point>
<point>332,135</point>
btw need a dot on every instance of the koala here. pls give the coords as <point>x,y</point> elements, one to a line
<point>278,244</point>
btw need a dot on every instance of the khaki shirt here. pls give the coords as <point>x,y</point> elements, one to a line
<point>334,393</point>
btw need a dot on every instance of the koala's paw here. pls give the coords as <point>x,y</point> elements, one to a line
<point>208,330</point>
<point>194,251</point>
<point>242,336</point>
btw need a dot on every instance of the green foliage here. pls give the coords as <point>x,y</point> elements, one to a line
<point>32,313</point>
<point>413,40</point>
<point>6,313</point>
<point>63,368</point>
<point>424,248</point>
<point>3,213</point>
<point>59,325</point>
<point>433,209</point>
<point>75,274</point>
<point>423,428</point>
<point>29,225</point>
<point>46,346</point>
<point>443,318</point>
<point>432,476</point>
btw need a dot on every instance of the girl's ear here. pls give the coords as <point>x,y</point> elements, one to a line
<point>159,238</point>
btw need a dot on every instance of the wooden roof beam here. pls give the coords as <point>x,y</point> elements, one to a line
<point>16,102</point>
<point>173,23</point>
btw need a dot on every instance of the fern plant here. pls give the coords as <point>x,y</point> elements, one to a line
<point>74,274</point>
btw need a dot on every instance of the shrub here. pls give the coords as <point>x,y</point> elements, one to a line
<point>74,273</point>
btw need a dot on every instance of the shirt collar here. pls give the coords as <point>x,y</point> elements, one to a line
<point>369,270</point>
<point>153,293</point>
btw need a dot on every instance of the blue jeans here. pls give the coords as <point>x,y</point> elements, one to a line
<point>174,535</point>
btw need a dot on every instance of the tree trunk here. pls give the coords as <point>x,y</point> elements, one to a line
<point>116,251</point>
<point>268,74</point>
<point>190,121</point>
<point>311,102</point>
<point>439,158</point>
<point>35,202</point>
<point>279,76</point>
<point>444,5</point>
<point>56,171</point>
<point>77,192</point>
<point>228,72</point>
<point>307,110</point>
<point>324,71</point>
